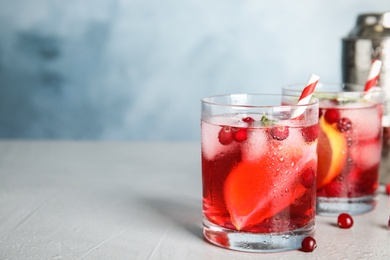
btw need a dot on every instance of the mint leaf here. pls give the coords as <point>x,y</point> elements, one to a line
<point>265,121</point>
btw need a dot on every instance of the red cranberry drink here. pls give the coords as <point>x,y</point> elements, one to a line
<point>349,149</point>
<point>258,171</point>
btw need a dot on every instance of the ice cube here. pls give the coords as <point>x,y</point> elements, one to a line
<point>211,146</point>
<point>295,137</point>
<point>366,155</point>
<point>255,146</point>
<point>366,123</point>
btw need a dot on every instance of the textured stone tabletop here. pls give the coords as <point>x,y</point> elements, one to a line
<point>126,200</point>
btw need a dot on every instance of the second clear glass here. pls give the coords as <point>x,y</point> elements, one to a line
<point>349,148</point>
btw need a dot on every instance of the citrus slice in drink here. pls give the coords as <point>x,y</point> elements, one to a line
<point>257,190</point>
<point>332,153</point>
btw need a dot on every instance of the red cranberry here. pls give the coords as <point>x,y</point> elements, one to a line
<point>240,135</point>
<point>332,115</point>
<point>279,132</point>
<point>308,178</point>
<point>345,220</point>
<point>388,189</point>
<point>334,189</point>
<point>225,135</point>
<point>248,120</point>
<point>310,133</point>
<point>388,224</point>
<point>344,124</point>
<point>308,244</point>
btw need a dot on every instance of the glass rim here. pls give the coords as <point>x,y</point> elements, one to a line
<point>294,87</point>
<point>313,100</point>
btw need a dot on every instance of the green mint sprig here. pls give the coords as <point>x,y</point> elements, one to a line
<point>265,121</point>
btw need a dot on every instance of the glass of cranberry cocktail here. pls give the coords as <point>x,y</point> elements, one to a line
<point>349,148</point>
<point>258,171</point>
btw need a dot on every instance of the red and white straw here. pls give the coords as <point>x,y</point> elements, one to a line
<point>373,75</point>
<point>306,95</point>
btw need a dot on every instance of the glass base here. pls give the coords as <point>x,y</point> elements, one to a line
<point>353,206</point>
<point>256,242</point>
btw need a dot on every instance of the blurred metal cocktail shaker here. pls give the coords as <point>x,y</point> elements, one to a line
<point>369,40</point>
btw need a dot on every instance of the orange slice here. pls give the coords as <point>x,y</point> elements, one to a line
<point>332,153</point>
<point>257,190</point>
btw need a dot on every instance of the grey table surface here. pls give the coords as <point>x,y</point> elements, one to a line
<point>135,200</point>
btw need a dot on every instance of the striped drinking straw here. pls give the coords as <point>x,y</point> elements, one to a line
<point>306,95</point>
<point>373,75</point>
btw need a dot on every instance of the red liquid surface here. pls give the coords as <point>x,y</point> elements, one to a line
<point>261,184</point>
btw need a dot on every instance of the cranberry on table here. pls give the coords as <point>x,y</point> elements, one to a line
<point>308,244</point>
<point>388,224</point>
<point>388,189</point>
<point>345,220</point>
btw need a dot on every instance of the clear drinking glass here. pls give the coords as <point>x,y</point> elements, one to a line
<point>258,171</point>
<point>349,148</point>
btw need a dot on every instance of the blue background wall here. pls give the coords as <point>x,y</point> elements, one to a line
<point>137,69</point>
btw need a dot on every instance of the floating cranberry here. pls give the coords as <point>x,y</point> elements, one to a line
<point>248,120</point>
<point>225,135</point>
<point>279,132</point>
<point>308,178</point>
<point>241,135</point>
<point>308,244</point>
<point>345,220</point>
<point>388,189</point>
<point>332,115</point>
<point>310,133</point>
<point>334,189</point>
<point>344,124</point>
